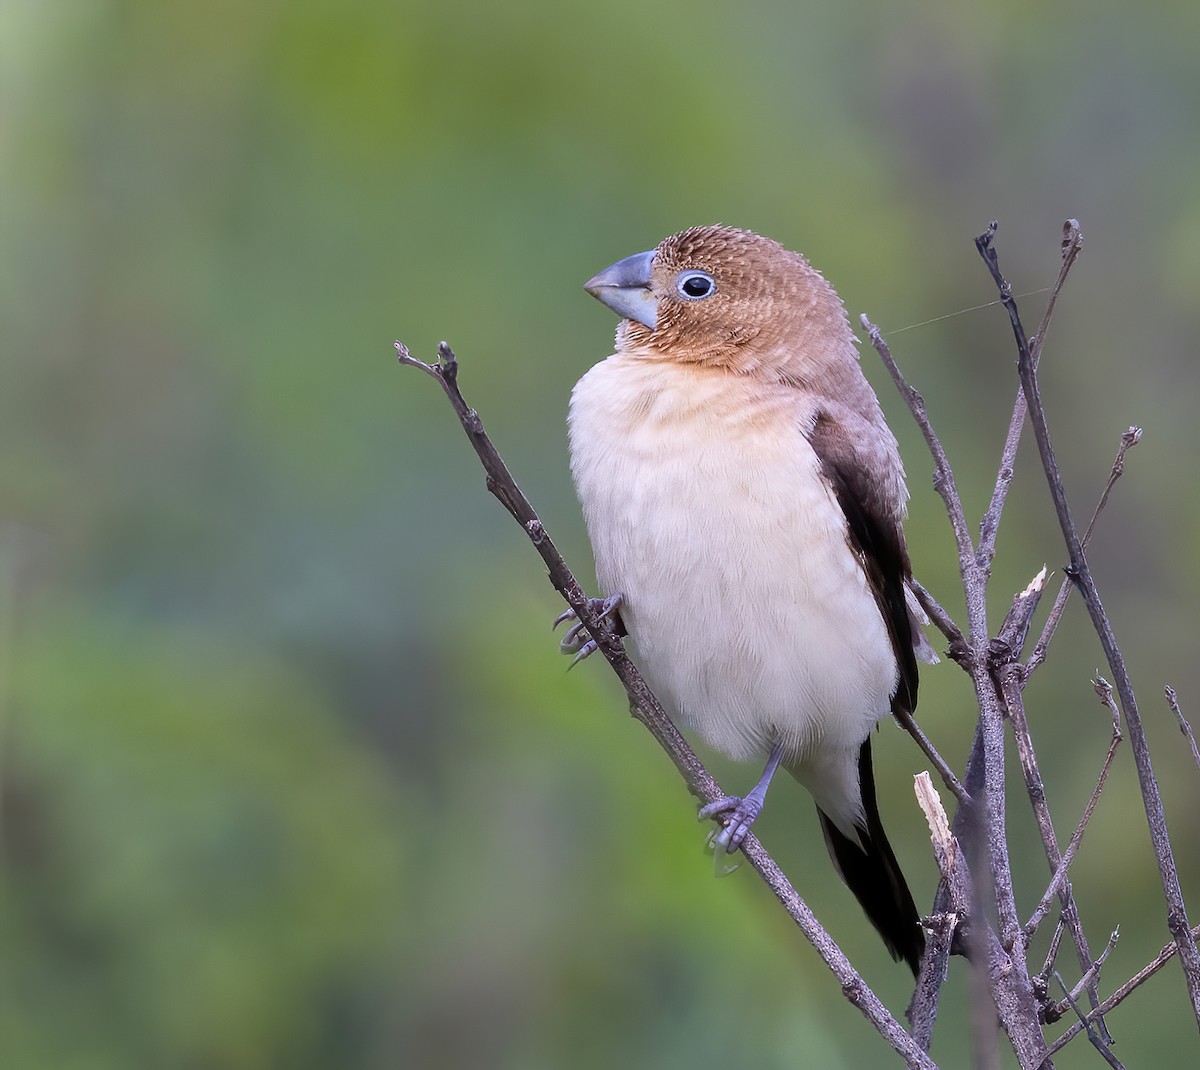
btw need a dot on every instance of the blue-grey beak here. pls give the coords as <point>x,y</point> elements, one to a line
<point>625,288</point>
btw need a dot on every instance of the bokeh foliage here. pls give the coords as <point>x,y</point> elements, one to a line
<point>291,773</point>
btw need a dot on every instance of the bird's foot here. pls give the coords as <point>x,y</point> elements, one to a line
<point>743,812</point>
<point>576,639</point>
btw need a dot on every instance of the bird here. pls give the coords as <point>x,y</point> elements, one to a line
<point>744,498</point>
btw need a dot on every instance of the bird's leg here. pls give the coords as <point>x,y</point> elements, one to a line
<point>743,811</point>
<point>576,641</point>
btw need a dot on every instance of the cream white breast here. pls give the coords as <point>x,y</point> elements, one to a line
<point>750,614</point>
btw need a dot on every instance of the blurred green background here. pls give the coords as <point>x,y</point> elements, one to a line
<point>292,774</point>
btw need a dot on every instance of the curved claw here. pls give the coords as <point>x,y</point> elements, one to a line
<point>585,651</point>
<point>576,639</point>
<point>721,867</point>
<point>610,605</point>
<point>573,639</point>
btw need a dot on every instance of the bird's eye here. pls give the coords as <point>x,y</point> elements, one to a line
<point>695,285</point>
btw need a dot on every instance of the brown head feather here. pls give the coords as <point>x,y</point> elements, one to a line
<point>771,312</point>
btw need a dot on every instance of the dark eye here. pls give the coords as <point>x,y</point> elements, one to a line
<point>695,285</point>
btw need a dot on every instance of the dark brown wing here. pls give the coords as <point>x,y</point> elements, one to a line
<point>875,534</point>
<point>854,454</point>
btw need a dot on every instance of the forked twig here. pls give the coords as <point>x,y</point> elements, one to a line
<point>1092,973</point>
<point>1072,245</point>
<point>1168,952</point>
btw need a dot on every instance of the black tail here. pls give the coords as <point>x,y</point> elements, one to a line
<point>872,873</point>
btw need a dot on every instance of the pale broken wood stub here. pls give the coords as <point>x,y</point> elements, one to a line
<point>940,835</point>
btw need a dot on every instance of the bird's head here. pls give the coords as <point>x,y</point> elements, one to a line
<point>725,297</point>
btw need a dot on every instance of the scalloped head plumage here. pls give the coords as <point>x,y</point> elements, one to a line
<point>769,310</point>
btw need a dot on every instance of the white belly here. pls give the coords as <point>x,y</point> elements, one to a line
<point>751,616</point>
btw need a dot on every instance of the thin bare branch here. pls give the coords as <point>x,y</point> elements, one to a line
<point>1177,918</point>
<point>1098,1042</point>
<point>1052,951</point>
<point>942,620</point>
<point>1104,689</point>
<point>943,474</point>
<point>1168,952</point>
<point>1009,676</point>
<point>1128,440</point>
<point>1184,727</point>
<point>1024,743</point>
<point>909,724</point>
<point>945,485</point>
<point>1092,973</point>
<point>1072,245</point>
<point>648,710</point>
